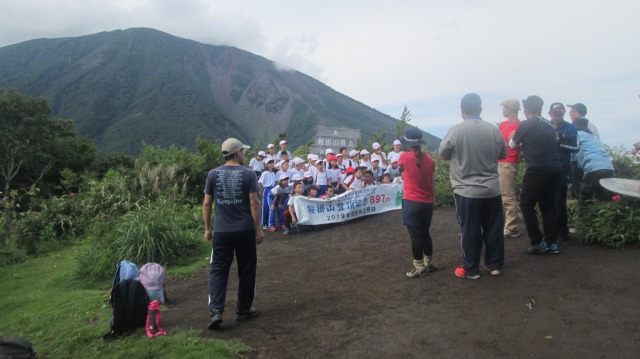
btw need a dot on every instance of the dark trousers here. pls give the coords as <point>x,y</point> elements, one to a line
<point>591,189</point>
<point>576,178</point>
<point>243,244</point>
<point>417,217</point>
<point>481,221</point>
<point>540,189</point>
<point>561,204</point>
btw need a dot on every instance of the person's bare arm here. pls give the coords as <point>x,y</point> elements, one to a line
<point>206,214</point>
<point>256,214</point>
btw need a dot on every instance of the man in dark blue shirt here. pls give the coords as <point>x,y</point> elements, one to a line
<point>537,138</point>
<point>567,139</point>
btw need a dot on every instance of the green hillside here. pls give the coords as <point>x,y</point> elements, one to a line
<point>128,86</point>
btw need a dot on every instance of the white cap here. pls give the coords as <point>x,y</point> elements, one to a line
<point>283,142</point>
<point>353,153</point>
<point>268,159</point>
<point>375,145</point>
<point>314,157</point>
<point>283,177</point>
<point>270,145</point>
<point>397,142</point>
<point>364,152</point>
<point>309,156</point>
<point>339,155</point>
<point>308,174</point>
<point>297,177</point>
<point>279,164</point>
<point>394,159</point>
<point>261,153</point>
<point>375,157</point>
<point>297,161</point>
<point>328,151</point>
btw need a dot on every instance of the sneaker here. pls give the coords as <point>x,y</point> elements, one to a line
<point>272,229</point>
<point>286,232</point>
<point>537,249</point>
<point>493,271</point>
<point>511,234</point>
<point>215,319</point>
<point>573,230</point>
<point>554,248</point>
<point>462,273</point>
<point>265,227</point>
<point>416,273</point>
<point>283,227</point>
<point>246,314</point>
<point>430,268</point>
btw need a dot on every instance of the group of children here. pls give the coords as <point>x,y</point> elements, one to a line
<point>282,179</point>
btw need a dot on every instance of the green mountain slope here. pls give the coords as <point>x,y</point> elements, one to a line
<point>128,86</point>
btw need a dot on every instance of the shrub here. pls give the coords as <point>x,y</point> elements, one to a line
<point>614,223</point>
<point>161,232</point>
<point>443,190</point>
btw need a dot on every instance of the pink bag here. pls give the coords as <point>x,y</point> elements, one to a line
<point>153,320</point>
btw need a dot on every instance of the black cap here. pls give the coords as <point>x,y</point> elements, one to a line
<point>533,104</point>
<point>556,106</point>
<point>581,108</point>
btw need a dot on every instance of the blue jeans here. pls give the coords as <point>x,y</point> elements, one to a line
<point>225,244</point>
<point>481,221</point>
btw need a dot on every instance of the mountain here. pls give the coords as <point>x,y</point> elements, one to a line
<point>124,87</point>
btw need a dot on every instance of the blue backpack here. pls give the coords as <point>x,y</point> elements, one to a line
<point>125,270</point>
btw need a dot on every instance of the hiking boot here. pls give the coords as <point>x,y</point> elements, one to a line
<point>215,319</point>
<point>416,273</point>
<point>537,249</point>
<point>246,314</point>
<point>462,273</point>
<point>493,272</point>
<point>286,232</point>
<point>511,234</point>
<point>554,248</point>
<point>430,268</point>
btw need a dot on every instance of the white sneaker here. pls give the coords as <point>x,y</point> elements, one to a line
<point>511,234</point>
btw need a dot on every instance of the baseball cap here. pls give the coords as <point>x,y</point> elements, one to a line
<point>364,152</point>
<point>270,145</point>
<point>350,169</point>
<point>375,145</point>
<point>283,177</point>
<point>328,151</point>
<point>375,157</point>
<point>397,142</point>
<point>394,159</point>
<point>332,158</point>
<point>580,107</point>
<point>268,159</point>
<point>232,145</point>
<point>261,153</point>
<point>353,153</point>
<point>296,177</point>
<point>283,142</point>
<point>556,106</point>
<point>297,161</point>
<point>314,157</point>
<point>339,155</point>
<point>308,174</point>
<point>511,103</point>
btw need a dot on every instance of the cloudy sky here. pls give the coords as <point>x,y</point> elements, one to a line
<point>388,54</point>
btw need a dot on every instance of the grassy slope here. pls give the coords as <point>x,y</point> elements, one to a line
<point>65,318</point>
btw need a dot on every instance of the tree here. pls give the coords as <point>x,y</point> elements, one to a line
<point>34,147</point>
<point>403,125</point>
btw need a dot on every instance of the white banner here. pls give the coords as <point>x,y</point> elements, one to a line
<point>353,204</point>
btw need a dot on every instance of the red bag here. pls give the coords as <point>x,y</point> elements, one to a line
<point>153,320</point>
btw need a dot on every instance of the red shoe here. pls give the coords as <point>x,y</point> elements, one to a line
<point>462,273</point>
<point>272,229</point>
<point>283,227</point>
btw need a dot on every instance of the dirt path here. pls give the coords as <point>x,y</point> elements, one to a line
<point>341,292</point>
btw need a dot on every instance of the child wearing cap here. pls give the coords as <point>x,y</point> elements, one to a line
<point>257,163</point>
<point>320,177</point>
<point>271,150</point>
<point>375,168</point>
<point>393,169</point>
<point>377,150</point>
<point>283,148</point>
<point>307,181</point>
<point>365,159</point>
<point>397,150</point>
<point>289,216</point>
<point>353,160</point>
<point>284,170</point>
<point>278,197</point>
<point>266,183</point>
<point>333,172</point>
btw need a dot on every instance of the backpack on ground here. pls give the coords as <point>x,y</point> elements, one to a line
<point>152,275</point>
<point>125,270</point>
<point>130,303</point>
<point>16,348</point>
<point>154,318</point>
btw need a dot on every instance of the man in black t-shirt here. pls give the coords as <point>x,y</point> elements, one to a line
<point>236,229</point>
<point>536,136</point>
